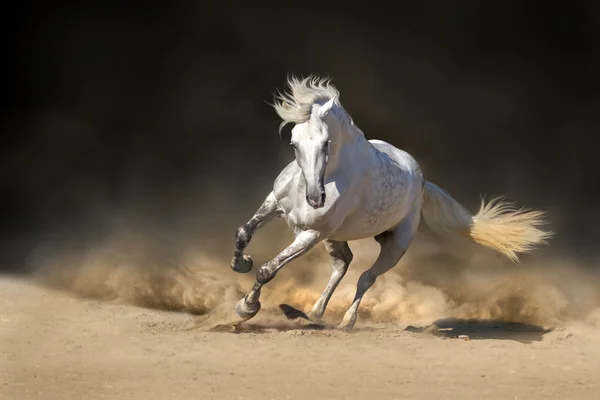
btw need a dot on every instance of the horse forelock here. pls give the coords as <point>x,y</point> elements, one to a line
<point>295,104</point>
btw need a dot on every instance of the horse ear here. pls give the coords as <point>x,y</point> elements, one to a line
<point>325,108</point>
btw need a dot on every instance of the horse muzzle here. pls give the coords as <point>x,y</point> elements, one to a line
<point>317,200</point>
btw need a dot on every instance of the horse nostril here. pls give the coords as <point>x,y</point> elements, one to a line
<point>309,201</point>
<point>316,203</point>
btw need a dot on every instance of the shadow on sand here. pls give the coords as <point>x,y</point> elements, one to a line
<point>450,328</point>
<point>250,327</point>
<point>475,329</point>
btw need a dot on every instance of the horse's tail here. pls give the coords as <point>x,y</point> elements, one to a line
<point>496,225</point>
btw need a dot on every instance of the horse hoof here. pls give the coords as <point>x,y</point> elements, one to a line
<point>345,327</point>
<point>317,319</point>
<point>243,266</point>
<point>245,310</point>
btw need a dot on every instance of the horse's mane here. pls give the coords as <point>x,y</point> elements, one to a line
<point>295,104</point>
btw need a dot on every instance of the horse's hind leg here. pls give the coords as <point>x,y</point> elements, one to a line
<point>249,305</point>
<point>266,212</point>
<point>393,246</point>
<point>341,256</point>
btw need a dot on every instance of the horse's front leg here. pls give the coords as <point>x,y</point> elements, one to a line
<point>249,305</point>
<point>266,212</point>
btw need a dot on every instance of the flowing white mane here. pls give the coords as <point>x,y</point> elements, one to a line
<point>295,104</point>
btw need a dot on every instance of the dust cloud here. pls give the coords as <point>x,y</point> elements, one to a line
<point>437,279</point>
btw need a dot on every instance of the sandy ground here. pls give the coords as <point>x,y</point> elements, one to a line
<point>55,346</point>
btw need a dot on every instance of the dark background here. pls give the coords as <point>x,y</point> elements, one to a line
<point>155,118</point>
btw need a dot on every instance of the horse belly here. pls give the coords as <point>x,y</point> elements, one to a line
<point>365,223</point>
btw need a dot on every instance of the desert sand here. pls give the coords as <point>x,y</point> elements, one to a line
<point>108,330</point>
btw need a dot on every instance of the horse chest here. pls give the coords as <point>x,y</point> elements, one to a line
<point>301,216</point>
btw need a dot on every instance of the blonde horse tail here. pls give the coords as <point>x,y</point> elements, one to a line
<point>496,225</point>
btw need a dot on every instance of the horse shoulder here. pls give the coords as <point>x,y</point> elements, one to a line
<point>285,181</point>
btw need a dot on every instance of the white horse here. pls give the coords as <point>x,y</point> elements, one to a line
<point>343,187</point>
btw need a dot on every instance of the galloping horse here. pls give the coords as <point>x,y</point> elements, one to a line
<point>343,187</point>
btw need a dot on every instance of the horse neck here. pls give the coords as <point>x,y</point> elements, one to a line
<point>349,132</point>
<point>352,141</point>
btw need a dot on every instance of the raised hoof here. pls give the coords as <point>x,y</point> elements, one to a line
<point>243,266</point>
<point>245,310</point>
